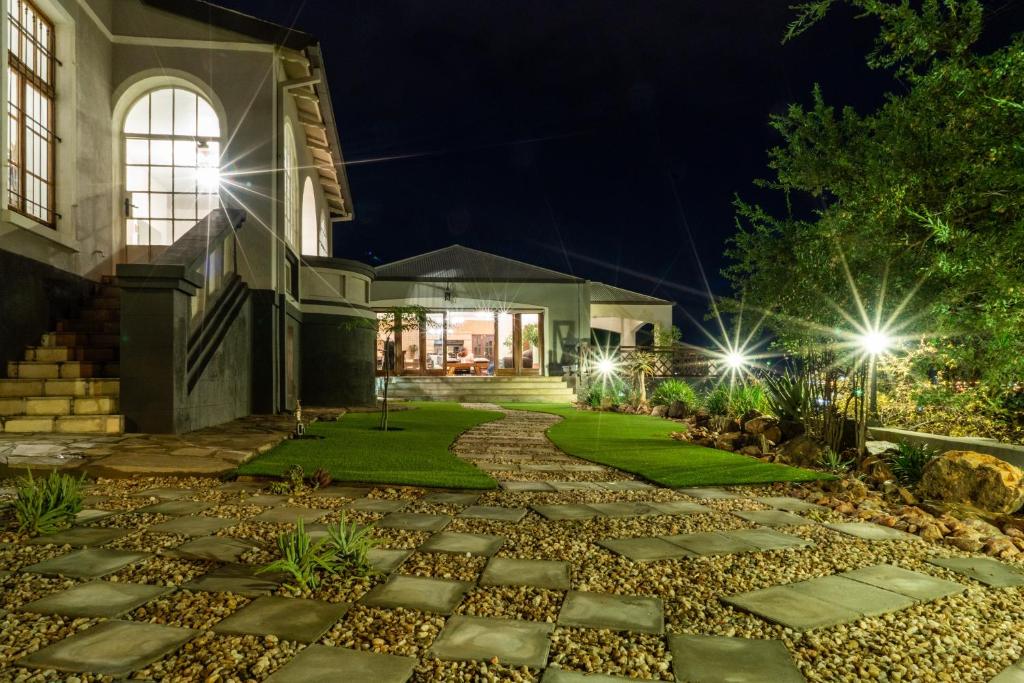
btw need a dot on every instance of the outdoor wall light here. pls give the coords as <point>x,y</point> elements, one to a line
<point>875,342</point>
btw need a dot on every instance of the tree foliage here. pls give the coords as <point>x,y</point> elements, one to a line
<point>923,198</point>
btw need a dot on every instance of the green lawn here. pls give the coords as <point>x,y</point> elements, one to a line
<point>640,444</point>
<point>414,452</point>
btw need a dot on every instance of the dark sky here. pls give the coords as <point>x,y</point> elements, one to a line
<point>591,136</point>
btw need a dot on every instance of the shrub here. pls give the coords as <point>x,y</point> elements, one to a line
<point>353,544</point>
<point>675,390</point>
<point>717,401</point>
<point>613,389</point>
<point>345,548</point>
<point>833,462</point>
<point>787,396</point>
<point>907,463</point>
<point>42,506</point>
<point>736,401</point>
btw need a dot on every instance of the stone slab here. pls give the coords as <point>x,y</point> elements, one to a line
<point>555,675</point>
<point>511,641</point>
<point>506,571</point>
<point>88,515</point>
<point>615,612</point>
<point>323,663</point>
<point>446,498</point>
<point>288,514</point>
<point>709,493</point>
<point>562,486</point>
<point>387,560</point>
<point>87,563</point>
<point>96,599</point>
<point>1011,674</point>
<point>213,548</point>
<point>767,539</point>
<point>623,509</point>
<point>380,505</point>
<point>564,512</point>
<point>80,536</point>
<point>720,659</point>
<point>438,596</point>
<point>112,648</point>
<point>165,493</point>
<point>916,585</point>
<point>265,500</point>
<point>349,492</point>
<point>679,507</point>
<point>864,599</point>
<point>494,513</point>
<point>526,486</point>
<point>193,526</point>
<point>788,503</point>
<point>711,543</point>
<point>625,485</point>
<point>295,619</point>
<point>984,569</point>
<point>236,578</point>
<point>645,549</point>
<point>872,532</point>
<point>176,508</point>
<point>773,518</point>
<point>467,544</point>
<point>414,521</point>
<point>789,607</point>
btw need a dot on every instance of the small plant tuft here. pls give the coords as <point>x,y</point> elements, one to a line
<point>345,549</point>
<point>42,506</point>
<point>675,390</point>
<point>908,462</point>
<point>834,462</point>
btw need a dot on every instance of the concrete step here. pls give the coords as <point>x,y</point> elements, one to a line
<point>493,398</point>
<point>58,405</point>
<point>481,379</point>
<point>22,388</point>
<point>89,326</point>
<point>66,353</point>
<point>72,369</point>
<point>82,339</point>
<point>101,314</point>
<point>64,424</point>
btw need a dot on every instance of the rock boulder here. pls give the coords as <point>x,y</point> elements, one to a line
<point>659,411</point>
<point>803,451</point>
<point>983,481</point>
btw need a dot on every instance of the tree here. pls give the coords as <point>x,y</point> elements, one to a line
<point>395,320</point>
<point>920,201</point>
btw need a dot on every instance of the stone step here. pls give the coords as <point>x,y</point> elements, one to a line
<point>58,405</point>
<point>496,398</point>
<point>480,379</point>
<point>64,424</point>
<point>66,353</point>
<point>22,388</point>
<point>83,339</point>
<point>101,314</point>
<point>72,369</point>
<point>89,326</point>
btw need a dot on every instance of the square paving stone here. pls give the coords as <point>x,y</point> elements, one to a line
<point>469,544</point>
<point>80,536</point>
<point>236,578</point>
<point>439,596</point>
<point>526,486</point>
<point>872,532</point>
<point>350,492</point>
<point>623,509</point>
<point>447,498</point>
<point>506,571</point>
<point>497,514</point>
<point>789,607</point>
<point>414,521</point>
<point>568,511</point>
<point>96,599</point>
<point>984,569</point>
<point>864,599</point>
<point>788,503</point>
<point>1011,674</point>
<point>193,526</point>
<point>387,560</point>
<point>645,549</point>
<point>511,641</point>
<point>905,582</point>
<point>287,618</point>
<point>265,500</point>
<point>709,493</point>
<point>767,539</point>
<point>679,507</point>
<point>625,485</point>
<point>615,612</point>
<point>87,563</point>
<point>113,648</point>
<point>214,548</point>
<point>562,486</point>
<point>176,508</point>
<point>85,516</point>
<point>241,486</point>
<point>381,505</point>
<point>773,518</point>
<point>288,514</point>
<point>165,494</point>
<point>556,675</point>
<point>711,543</point>
<point>720,659</point>
<point>323,663</point>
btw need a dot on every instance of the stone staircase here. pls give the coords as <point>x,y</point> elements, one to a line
<point>473,389</point>
<point>69,383</point>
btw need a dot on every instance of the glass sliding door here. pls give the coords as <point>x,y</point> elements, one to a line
<point>410,350</point>
<point>529,343</point>
<point>433,344</point>
<point>521,343</point>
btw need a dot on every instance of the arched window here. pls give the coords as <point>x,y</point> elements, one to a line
<point>323,243</point>
<point>172,164</point>
<point>310,246</point>
<point>291,187</point>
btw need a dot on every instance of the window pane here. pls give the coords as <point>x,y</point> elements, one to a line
<point>140,204</point>
<point>162,107</point>
<point>137,151</point>
<point>138,232</point>
<point>184,179</point>
<point>185,206</point>
<point>185,152</point>
<point>184,112</point>
<point>160,232</point>
<point>160,205</point>
<point>207,203</point>
<point>181,227</point>
<point>137,120</point>
<point>208,124</point>
<point>160,152</point>
<point>160,178</point>
<point>137,178</point>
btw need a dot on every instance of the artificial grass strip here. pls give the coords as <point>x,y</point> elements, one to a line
<point>414,452</point>
<point>640,444</point>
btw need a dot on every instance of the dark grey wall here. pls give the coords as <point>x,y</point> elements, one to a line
<point>337,361</point>
<point>33,296</point>
<point>224,390</point>
<point>264,351</point>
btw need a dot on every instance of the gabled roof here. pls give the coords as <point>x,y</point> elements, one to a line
<point>600,293</point>
<point>462,264</point>
<point>239,22</point>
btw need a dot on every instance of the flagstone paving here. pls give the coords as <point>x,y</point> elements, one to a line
<point>1012,674</point>
<point>569,573</point>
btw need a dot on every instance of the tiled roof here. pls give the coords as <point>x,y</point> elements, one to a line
<point>600,293</point>
<point>462,264</point>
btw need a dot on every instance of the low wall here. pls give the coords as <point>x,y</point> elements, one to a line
<point>1011,453</point>
<point>338,361</point>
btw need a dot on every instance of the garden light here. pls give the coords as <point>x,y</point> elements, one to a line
<point>875,342</point>
<point>606,367</point>
<point>736,360</point>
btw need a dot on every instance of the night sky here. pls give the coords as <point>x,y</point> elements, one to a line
<point>595,137</point>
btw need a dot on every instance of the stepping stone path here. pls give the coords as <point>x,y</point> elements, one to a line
<point>536,559</point>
